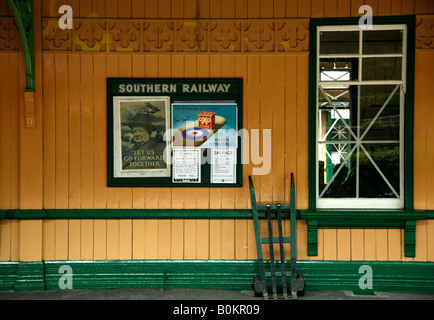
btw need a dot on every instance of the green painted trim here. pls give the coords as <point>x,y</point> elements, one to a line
<point>410,21</point>
<point>326,218</point>
<point>23,13</point>
<point>219,274</point>
<point>344,219</point>
<point>30,276</point>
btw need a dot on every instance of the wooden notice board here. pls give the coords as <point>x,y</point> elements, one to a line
<point>174,132</point>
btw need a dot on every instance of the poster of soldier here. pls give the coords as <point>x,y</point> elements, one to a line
<point>139,124</point>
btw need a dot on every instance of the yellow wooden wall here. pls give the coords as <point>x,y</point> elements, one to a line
<point>62,163</point>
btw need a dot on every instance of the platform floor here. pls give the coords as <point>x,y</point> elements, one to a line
<point>196,294</point>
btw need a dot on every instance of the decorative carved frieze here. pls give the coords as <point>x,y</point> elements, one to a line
<point>245,35</point>
<point>110,35</point>
<point>425,32</point>
<point>9,35</point>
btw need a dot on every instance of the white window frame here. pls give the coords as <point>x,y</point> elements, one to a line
<point>363,203</point>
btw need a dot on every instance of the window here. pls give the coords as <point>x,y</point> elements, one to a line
<point>361,132</point>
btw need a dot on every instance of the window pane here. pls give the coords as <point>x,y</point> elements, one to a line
<point>375,179</point>
<point>379,68</point>
<point>338,69</point>
<point>334,171</point>
<point>339,42</point>
<point>382,41</point>
<point>378,120</point>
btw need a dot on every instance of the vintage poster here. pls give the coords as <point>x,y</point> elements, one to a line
<point>205,125</point>
<point>223,165</point>
<point>139,124</point>
<point>186,164</point>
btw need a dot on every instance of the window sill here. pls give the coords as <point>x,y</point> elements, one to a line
<point>363,219</point>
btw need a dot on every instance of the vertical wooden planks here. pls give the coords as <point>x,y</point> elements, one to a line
<point>137,9</point>
<point>344,8</point>
<point>422,6</point>
<point>384,7</point>
<point>381,243</point>
<point>87,239</point>
<point>241,7</point>
<point>357,244</point>
<point>74,239</point>
<point>421,241</point>
<point>421,89</point>
<point>266,123</point>
<point>112,67</point>
<point>396,7</point>
<point>100,131</point>
<point>330,8</point>
<point>303,8</point>
<point>15,132</point>
<point>125,193</point>
<point>125,9</point>
<point>253,123</point>
<point>344,244</point>
<point>49,114</point>
<point>426,76</point>
<point>317,9</point>
<point>85,8</point>
<point>151,239</point>
<point>369,244</point>
<point>74,132</point>
<point>5,132</point>
<point>278,127</point>
<point>5,240</point>
<point>98,8</point>
<point>330,244</point>
<point>99,154</point>
<point>290,123</point>
<point>301,176</point>
<point>151,9</point>
<point>355,5</point>
<point>30,240</point>
<point>48,239</point>
<point>87,131</point>
<point>395,242</point>
<point>111,8</point>
<point>430,239</point>
<point>407,7</point>
<point>61,132</point>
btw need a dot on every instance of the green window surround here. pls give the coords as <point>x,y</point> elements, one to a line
<point>319,216</point>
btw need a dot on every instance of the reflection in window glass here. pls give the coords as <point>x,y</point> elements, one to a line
<point>382,41</point>
<point>339,42</point>
<point>382,68</point>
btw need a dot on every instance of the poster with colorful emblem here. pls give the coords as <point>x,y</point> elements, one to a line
<point>205,124</point>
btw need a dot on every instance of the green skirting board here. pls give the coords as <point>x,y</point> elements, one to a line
<point>355,276</point>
